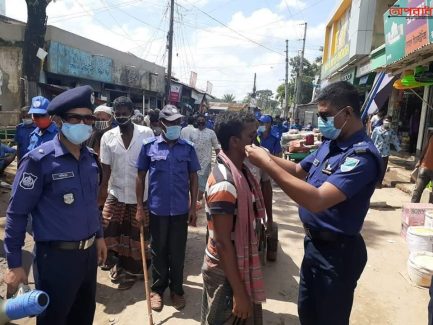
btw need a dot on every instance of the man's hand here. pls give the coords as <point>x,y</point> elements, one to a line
<point>139,216</point>
<point>242,306</point>
<point>258,156</point>
<point>192,217</point>
<point>101,249</point>
<point>13,278</point>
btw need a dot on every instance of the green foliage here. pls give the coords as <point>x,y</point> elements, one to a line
<point>228,98</point>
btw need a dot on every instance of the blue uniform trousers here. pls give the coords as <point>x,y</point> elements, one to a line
<point>168,244</point>
<point>329,273</point>
<point>69,278</point>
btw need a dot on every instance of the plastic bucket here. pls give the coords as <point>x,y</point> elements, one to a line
<point>428,219</point>
<point>420,268</point>
<point>420,238</point>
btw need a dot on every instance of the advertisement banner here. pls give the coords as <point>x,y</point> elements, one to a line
<point>340,51</point>
<point>394,28</point>
<point>193,79</point>
<point>416,29</point>
<point>209,87</point>
<point>175,93</point>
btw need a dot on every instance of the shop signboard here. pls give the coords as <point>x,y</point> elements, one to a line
<point>349,76</point>
<point>394,27</point>
<point>175,93</point>
<point>429,3</point>
<point>416,28</point>
<point>341,45</point>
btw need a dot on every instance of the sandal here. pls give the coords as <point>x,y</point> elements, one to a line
<point>116,274</point>
<point>178,301</point>
<point>126,283</point>
<point>156,301</point>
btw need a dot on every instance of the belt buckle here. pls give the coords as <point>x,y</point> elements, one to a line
<point>85,244</point>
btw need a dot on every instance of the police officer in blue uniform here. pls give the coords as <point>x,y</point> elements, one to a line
<point>333,187</point>
<point>268,138</point>
<point>46,129</point>
<point>58,184</point>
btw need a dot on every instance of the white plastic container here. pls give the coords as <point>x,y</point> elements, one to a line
<point>420,238</point>
<point>420,268</point>
<point>428,219</point>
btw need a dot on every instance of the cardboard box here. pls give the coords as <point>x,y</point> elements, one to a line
<point>413,213</point>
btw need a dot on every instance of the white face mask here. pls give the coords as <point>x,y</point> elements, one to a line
<point>102,125</point>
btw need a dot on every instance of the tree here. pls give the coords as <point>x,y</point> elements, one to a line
<point>34,37</point>
<point>228,98</point>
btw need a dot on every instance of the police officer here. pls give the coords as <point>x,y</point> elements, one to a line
<point>333,187</point>
<point>268,139</point>
<point>46,129</point>
<point>58,184</point>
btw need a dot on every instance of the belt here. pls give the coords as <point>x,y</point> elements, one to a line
<point>71,245</point>
<point>325,235</point>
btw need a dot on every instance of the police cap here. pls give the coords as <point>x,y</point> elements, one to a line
<point>78,97</point>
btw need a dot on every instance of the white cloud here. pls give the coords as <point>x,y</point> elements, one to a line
<point>287,4</point>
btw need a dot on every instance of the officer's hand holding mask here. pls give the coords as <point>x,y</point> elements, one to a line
<point>257,155</point>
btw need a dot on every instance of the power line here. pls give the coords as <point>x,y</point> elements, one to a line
<point>233,30</point>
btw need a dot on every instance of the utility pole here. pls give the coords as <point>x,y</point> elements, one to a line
<point>170,53</point>
<point>286,85</point>
<point>254,87</point>
<point>300,71</point>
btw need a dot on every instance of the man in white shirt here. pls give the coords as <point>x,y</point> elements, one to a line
<point>120,148</point>
<point>189,129</point>
<point>204,140</point>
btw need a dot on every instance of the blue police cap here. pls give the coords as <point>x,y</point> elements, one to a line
<point>258,115</point>
<point>265,119</point>
<point>39,105</point>
<point>78,97</point>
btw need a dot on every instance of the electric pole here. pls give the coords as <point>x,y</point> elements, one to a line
<point>286,85</point>
<point>300,71</point>
<point>170,53</point>
<point>254,87</point>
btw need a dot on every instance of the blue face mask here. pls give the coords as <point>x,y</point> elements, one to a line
<point>76,133</point>
<point>328,129</point>
<point>261,129</point>
<point>173,132</point>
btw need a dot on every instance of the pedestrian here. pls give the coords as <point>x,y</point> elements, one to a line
<point>172,166</point>
<point>154,122</point>
<point>266,138</point>
<point>189,129</point>
<point>294,124</point>
<point>7,156</point>
<point>425,170</point>
<point>103,123</point>
<point>120,148</point>
<point>383,136</point>
<point>204,140</point>
<point>46,128</point>
<point>333,187</point>
<point>377,120</point>
<point>23,131</point>
<point>233,287</point>
<point>137,118</point>
<point>58,184</point>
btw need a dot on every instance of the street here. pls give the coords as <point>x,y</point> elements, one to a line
<point>384,294</point>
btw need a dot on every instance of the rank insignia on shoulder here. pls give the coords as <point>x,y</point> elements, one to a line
<point>349,164</point>
<point>149,140</point>
<point>68,198</point>
<point>28,181</point>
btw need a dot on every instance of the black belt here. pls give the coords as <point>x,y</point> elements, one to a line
<point>71,245</point>
<point>326,235</point>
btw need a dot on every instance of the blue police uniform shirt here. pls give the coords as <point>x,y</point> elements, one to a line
<point>37,137</point>
<point>61,194</point>
<point>272,143</point>
<point>22,138</point>
<point>5,150</point>
<point>353,166</point>
<point>169,170</point>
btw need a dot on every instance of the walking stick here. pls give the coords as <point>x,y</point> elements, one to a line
<point>146,275</point>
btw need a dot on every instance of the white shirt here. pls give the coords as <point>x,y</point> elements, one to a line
<point>187,131</point>
<point>259,174</point>
<point>123,162</point>
<point>203,141</point>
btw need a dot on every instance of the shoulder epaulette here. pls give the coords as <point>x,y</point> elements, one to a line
<point>149,140</point>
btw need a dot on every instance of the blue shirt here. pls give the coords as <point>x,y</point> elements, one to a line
<point>353,166</point>
<point>22,138</point>
<point>383,138</point>
<point>37,137</point>
<point>4,151</point>
<point>169,170</point>
<point>272,143</point>
<point>61,194</point>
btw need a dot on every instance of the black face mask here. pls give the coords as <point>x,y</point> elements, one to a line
<point>201,124</point>
<point>123,120</point>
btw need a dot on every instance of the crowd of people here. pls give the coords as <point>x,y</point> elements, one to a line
<point>94,180</point>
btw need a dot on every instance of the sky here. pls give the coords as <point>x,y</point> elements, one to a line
<point>223,41</point>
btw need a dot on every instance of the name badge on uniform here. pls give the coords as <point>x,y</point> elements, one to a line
<point>64,175</point>
<point>68,198</point>
<point>316,162</point>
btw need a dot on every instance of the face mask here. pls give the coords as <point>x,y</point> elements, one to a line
<point>43,122</point>
<point>173,132</point>
<point>328,129</point>
<point>76,133</point>
<point>261,129</point>
<point>122,120</point>
<point>27,121</point>
<point>102,125</point>
<point>386,125</point>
